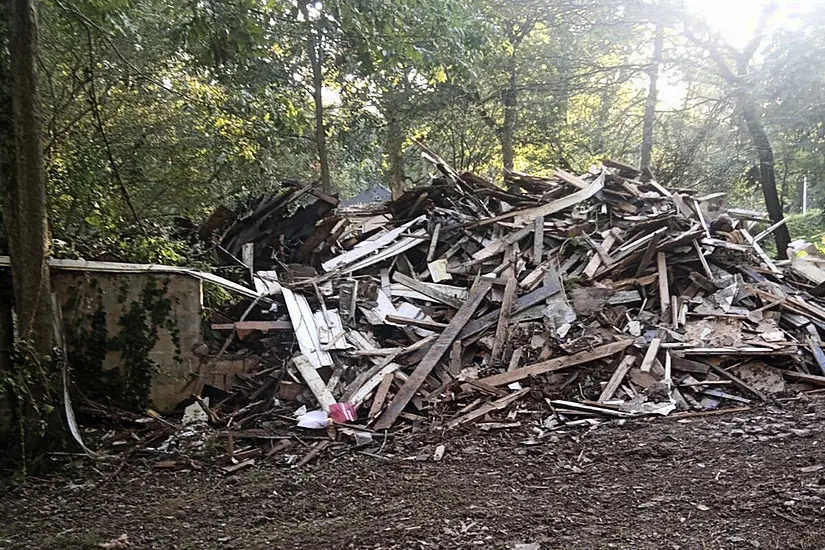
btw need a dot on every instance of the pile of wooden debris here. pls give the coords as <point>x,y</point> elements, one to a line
<point>599,296</point>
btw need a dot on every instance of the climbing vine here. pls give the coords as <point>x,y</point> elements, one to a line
<point>138,335</point>
<point>140,326</point>
<point>29,387</point>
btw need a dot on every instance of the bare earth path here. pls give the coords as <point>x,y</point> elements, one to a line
<point>753,480</point>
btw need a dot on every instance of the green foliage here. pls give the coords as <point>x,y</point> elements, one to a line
<point>140,325</point>
<point>809,226</point>
<point>177,106</point>
<point>30,390</point>
<point>137,338</point>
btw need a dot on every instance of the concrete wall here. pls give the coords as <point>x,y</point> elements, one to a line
<point>81,294</point>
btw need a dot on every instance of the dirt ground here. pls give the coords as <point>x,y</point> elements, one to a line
<point>748,480</point>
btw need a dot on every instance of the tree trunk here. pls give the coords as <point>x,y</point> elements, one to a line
<point>314,51</point>
<point>26,215</point>
<point>652,96</point>
<point>6,328</point>
<point>395,142</point>
<point>767,176</point>
<point>6,180</point>
<point>508,128</point>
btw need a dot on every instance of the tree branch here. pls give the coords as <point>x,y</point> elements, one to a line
<point>99,123</point>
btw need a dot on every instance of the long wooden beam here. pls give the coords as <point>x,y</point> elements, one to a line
<point>557,364</point>
<point>434,354</point>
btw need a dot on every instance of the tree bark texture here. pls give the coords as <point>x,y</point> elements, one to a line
<point>508,127</point>
<point>652,97</point>
<point>314,51</point>
<point>6,178</point>
<point>767,175</point>
<point>26,215</point>
<point>394,142</point>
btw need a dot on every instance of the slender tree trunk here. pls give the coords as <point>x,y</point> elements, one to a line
<point>26,215</point>
<point>6,180</point>
<point>508,128</point>
<point>767,175</point>
<point>652,96</point>
<point>395,142</point>
<point>316,61</point>
<point>6,327</point>
<point>605,103</point>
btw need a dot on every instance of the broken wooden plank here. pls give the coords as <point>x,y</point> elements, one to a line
<point>538,240</point>
<point>703,282</point>
<point>522,303</point>
<point>702,221</point>
<point>650,252</point>
<point>616,379</point>
<point>588,409</point>
<point>681,207</point>
<point>503,320</point>
<point>573,180</point>
<point>433,244</point>
<point>625,297</point>
<point>558,363</point>
<point>434,354</point>
<point>394,250</point>
<point>628,254</point>
<point>722,395</point>
<point>744,351</point>
<point>363,387</point>
<point>816,351</point>
<point>650,355</point>
<point>738,382</point>
<point>530,214</point>
<point>421,323</point>
<point>595,262</point>
<point>425,289</point>
<point>515,360</point>
<point>314,381</point>
<point>380,395</point>
<point>455,358</point>
<point>263,326</point>
<point>306,331</point>
<point>370,246</point>
<point>472,384</point>
<point>487,408</point>
<point>330,329</point>
<point>397,290</point>
<point>232,468</point>
<point>601,252</point>
<point>686,365</point>
<point>664,288</point>
<point>500,245</point>
<point>770,230</point>
<point>313,452</point>
<point>702,260</point>
<point>760,252</point>
<point>658,187</point>
<point>802,377</point>
<point>711,197</point>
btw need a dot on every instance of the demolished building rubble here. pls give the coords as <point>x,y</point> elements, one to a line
<point>558,301</point>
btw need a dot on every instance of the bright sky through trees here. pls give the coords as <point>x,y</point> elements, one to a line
<point>736,20</point>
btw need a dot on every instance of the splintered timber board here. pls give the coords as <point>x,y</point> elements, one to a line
<point>306,332</point>
<point>433,356</point>
<point>528,215</point>
<point>557,364</point>
<point>489,407</point>
<point>528,300</point>
<point>368,247</point>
